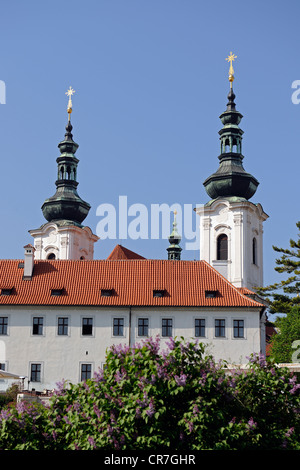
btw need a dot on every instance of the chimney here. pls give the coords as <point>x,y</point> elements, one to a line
<point>28,262</point>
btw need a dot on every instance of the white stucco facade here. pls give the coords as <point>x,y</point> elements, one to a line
<point>54,357</point>
<point>63,242</point>
<point>242,223</point>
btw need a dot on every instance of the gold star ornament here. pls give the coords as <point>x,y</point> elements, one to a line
<point>69,93</point>
<point>230,59</point>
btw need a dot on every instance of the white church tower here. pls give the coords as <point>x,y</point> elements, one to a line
<point>63,236</point>
<point>231,227</point>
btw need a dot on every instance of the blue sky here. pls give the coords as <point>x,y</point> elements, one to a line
<point>151,81</point>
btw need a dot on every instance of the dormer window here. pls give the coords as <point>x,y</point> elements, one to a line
<point>158,293</point>
<point>56,292</point>
<point>106,292</point>
<point>6,291</point>
<point>211,294</point>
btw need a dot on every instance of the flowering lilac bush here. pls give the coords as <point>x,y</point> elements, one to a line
<point>177,399</point>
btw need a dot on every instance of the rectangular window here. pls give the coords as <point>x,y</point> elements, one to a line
<point>118,327</point>
<point>143,326</point>
<point>86,371</point>
<point>62,326</point>
<point>199,327</point>
<point>3,325</point>
<point>238,328</point>
<point>220,328</point>
<point>35,375</point>
<point>2,365</point>
<point>167,324</point>
<point>37,327</point>
<point>87,326</point>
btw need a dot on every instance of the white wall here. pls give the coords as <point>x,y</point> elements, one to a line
<point>241,221</point>
<point>61,356</point>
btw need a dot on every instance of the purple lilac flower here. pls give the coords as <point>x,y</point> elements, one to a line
<point>180,380</point>
<point>92,442</point>
<point>99,376</point>
<point>151,410</point>
<point>171,344</point>
<point>251,424</point>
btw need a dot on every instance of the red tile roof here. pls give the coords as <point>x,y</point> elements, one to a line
<point>120,252</point>
<point>133,282</point>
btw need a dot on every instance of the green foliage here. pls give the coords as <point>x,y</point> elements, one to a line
<point>177,399</point>
<point>285,294</point>
<point>283,344</point>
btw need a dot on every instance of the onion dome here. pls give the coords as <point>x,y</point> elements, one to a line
<point>174,250</point>
<point>231,179</point>
<point>66,207</point>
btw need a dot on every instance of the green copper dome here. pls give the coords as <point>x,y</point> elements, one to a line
<point>230,179</point>
<point>66,207</point>
<point>174,250</point>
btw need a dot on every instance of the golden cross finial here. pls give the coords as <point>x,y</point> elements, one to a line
<point>69,93</point>
<point>230,59</point>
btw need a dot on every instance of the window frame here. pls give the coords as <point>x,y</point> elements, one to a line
<point>201,327</point>
<point>63,326</point>
<point>143,327</point>
<point>119,326</point>
<point>4,326</point>
<point>88,373</point>
<point>218,328</point>
<point>165,328</point>
<point>221,249</point>
<point>37,373</point>
<point>242,328</point>
<point>40,327</point>
<point>87,326</point>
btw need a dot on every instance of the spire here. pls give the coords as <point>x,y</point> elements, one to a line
<point>231,180</point>
<point>174,250</point>
<point>66,207</point>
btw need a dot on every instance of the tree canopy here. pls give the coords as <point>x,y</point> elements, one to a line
<point>284,295</point>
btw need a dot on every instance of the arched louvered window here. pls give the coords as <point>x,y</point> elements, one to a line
<point>222,247</point>
<point>51,256</point>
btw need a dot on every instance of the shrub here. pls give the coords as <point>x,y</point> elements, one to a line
<point>179,399</point>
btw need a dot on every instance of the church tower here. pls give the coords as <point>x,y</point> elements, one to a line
<point>231,227</point>
<point>64,236</point>
<point>174,250</point>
